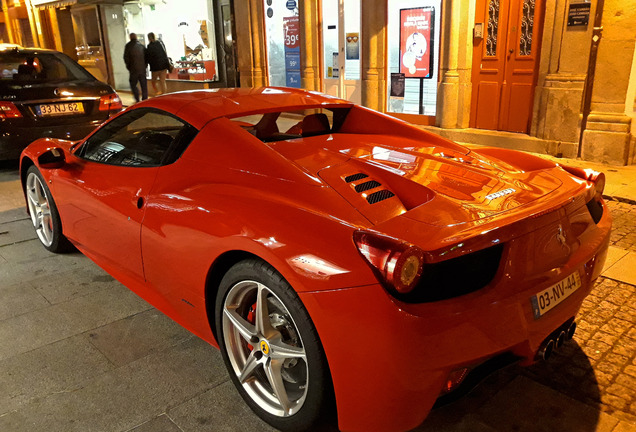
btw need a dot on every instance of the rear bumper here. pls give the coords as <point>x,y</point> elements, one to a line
<point>14,138</point>
<point>389,360</point>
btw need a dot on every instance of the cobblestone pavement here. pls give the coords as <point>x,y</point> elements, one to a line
<point>602,372</point>
<point>624,225</point>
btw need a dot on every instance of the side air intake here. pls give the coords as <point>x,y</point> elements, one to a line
<point>354,177</point>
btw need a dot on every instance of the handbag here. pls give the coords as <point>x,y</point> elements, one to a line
<point>170,65</point>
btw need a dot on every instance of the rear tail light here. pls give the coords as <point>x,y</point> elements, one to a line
<point>9,110</point>
<point>110,102</point>
<point>398,264</point>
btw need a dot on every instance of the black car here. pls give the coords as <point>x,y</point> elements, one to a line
<point>43,93</point>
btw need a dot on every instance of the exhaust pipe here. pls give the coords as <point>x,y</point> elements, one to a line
<point>546,351</point>
<point>560,340</point>
<point>570,333</point>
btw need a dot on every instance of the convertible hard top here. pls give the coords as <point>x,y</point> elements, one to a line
<point>201,106</point>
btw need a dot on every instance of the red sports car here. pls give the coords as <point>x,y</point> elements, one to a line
<point>344,262</point>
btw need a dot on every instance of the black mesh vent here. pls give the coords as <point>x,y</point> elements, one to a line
<point>354,177</point>
<point>379,196</point>
<point>367,185</point>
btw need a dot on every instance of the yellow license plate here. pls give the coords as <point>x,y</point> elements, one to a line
<point>550,297</point>
<point>68,108</point>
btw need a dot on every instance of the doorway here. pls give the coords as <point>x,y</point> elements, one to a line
<point>507,40</point>
<point>341,49</point>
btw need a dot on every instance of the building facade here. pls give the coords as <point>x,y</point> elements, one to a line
<point>554,76</point>
<point>551,76</point>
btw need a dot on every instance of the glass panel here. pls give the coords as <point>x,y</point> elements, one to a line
<point>493,28</point>
<point>139,138</point>
<point>352,39</point>
<point>186,28</point>
<point>289,125</point>
<point>527,25</point>
<point>413,50</point>
<point>282,32</point>
<point>330,37</point>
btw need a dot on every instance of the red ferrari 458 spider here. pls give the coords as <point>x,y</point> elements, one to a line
<point>343,261</point>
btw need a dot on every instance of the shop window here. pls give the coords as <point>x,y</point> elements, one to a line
<point>413,56</point>
<point>282,33</point>
<point>186,28</point>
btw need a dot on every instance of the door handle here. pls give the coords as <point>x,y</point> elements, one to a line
<point>510,51</point>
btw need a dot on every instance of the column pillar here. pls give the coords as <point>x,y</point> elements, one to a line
<point>561,79</point>
<point>453,102</point>
<point>373,52</point>
<point>250,37</point>
<point>607,137</point>
<point>310,45</point>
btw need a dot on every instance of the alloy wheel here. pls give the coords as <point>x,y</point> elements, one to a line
<point>265,348</point>
<point>39,209</point>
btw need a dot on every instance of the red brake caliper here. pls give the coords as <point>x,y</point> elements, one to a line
<point>251,318</point>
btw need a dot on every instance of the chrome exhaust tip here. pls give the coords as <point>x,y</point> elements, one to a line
<point>570,333</point>
<point>560,340</point>
<point>547,350</point>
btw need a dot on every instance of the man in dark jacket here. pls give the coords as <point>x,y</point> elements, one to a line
<point>157,59</point>
<point>135,59</point>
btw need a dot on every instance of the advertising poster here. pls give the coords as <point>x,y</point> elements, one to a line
<point>353,46</point>
<point>416,53</point>
<point>291,27</point>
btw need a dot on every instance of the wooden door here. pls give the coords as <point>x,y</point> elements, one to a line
<point>505,63</point>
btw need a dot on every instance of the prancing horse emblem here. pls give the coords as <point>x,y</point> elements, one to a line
<point>560,236</point>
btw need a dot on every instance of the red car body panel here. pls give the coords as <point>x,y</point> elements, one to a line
<point>160,231</point>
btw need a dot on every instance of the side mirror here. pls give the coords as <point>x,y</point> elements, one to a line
<point>52,158</point>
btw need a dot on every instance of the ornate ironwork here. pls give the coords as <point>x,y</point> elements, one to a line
<point>493,27</point>
<point>527,25</point>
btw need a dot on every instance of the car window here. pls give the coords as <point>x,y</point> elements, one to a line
<point>284,125</point>
<point>142,137</point>
<point>18,67</point>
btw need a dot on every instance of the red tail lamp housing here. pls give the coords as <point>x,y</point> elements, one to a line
<point>110,102</point>
<point>9,110</point>
<point>398,263</point>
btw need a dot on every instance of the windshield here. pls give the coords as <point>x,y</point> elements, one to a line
<point>18,68</point>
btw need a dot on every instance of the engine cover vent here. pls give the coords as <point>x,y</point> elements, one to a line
<point>378,196</point>
<point>354,177</point>
<point>371,184</point>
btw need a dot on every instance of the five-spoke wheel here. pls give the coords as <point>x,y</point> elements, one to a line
<point>43,212</point>
<point>271,348</point>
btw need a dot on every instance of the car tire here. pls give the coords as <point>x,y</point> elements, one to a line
<point>273,353</point>
<point>44,215</point>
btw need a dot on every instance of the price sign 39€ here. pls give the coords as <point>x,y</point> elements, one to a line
<point>291,28</point>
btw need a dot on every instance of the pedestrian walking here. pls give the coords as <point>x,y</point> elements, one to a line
<point>157,59</point>
<point>135,59</point>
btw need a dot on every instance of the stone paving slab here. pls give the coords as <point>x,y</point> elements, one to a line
<point>137,336</point>
<point>623,270</point>
<point>59,367</point>
<point>125,397</point>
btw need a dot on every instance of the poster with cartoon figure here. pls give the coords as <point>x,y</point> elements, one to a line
<point>416,48</point>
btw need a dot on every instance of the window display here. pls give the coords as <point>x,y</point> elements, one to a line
<point>282,31</point>
<point>186,27</point>
<point>413,50</point>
